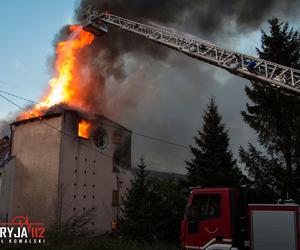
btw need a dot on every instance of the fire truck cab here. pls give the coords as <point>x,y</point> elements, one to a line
<point>219,219</point>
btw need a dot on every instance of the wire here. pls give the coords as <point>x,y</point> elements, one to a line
<point>63,133</point>
<point>60,131</point>
<point>51,126</point>
<point>160,140</point>
<point>133,132</point>
<point>75,138</point>
<point>22,98</point>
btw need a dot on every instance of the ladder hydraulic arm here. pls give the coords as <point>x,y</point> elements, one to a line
<point>252,68</point>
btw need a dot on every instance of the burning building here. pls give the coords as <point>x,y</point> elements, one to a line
<point>63,165</point>
<point>62,160</point>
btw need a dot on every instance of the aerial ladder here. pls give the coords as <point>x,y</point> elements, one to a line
<point>258,70</point>
<point>239,226</point>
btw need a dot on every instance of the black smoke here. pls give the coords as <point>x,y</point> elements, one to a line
<point>210,18</point>
<point>156,91</point>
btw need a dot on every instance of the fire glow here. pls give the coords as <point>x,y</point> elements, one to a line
<point>84,129</point>
<point>64,88</point>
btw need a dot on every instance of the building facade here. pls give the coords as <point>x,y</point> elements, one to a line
<point>56,173</point>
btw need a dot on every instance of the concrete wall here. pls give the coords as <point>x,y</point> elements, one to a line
<point>56,176</point>
<point>36,147</point>
<point>87,179</point>
<point>6,184</point>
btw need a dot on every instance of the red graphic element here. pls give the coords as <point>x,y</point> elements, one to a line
<point>36,229</point>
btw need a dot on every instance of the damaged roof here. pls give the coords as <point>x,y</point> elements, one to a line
<point>59,111</point>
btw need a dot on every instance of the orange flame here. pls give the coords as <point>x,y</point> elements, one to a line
<point>63,87</point>
<point>84,129</point>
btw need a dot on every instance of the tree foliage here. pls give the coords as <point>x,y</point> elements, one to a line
<point>212,164</point>
<point>152,208</point>
<point>169,209</point>
<point>275,116</point>
<point>137,207</point>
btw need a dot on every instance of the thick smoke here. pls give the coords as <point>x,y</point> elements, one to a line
<point>5,124</point>
<point>156,91</point>
<point>210,18</point>
<point>118,55</point>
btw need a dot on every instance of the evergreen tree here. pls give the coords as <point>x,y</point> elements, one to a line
<point>265,174</point>
<point>169,209</point>
<point>138,205</point>
<point>212,164</point>
<point>152,208</point>
<point>135,203</point>
<point>275,117</point>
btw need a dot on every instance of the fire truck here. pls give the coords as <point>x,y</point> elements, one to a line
<point>219,218</point>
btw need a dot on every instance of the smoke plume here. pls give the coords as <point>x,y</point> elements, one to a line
<point>154,90</point>
<point>157,91</point>
<point>210,18</point>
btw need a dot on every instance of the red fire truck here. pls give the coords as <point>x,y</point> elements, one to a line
<point>219,219</point>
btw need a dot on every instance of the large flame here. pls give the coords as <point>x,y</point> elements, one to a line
<point>63,88</point>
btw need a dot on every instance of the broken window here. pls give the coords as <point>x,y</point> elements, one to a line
<point>117,137</point>
<point>122,155</point>
<point>84,129</point>
<point>101,139</point>
<point>115,198</point>
<point>116,161</point>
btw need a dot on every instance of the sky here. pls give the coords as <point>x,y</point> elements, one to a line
<point>27,31</point>
<point>168,94</point>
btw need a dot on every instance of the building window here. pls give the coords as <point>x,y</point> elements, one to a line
<point>115,198</point>
<point>84,129</point>
<point>116,161</point>
<point>117,137</point>
<point>101,139</point>
<point>122,155</point>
